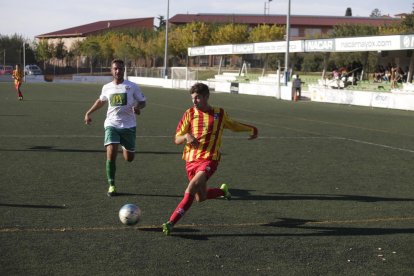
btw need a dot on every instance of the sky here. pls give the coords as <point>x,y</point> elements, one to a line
<point>34,17</point>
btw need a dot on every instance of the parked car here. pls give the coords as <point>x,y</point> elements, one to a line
<point>6,70</point>
<point>32,69</point>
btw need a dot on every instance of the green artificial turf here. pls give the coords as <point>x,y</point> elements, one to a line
<point>325,189</point>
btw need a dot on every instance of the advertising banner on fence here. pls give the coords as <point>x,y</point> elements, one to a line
<point>346,44</point>
<point>373,43</point>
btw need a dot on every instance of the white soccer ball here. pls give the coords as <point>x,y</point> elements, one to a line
<point>130,214</point>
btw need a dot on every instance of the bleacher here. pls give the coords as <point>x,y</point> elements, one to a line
<point>227,76</point>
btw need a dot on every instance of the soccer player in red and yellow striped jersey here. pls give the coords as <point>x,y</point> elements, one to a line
<point>201,128</point>
<point>18,79</point>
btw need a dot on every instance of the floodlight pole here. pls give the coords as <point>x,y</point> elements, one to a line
<point>24,61</point>
<point>166,42</point>
<point>287,45</point>
<point>267,7</point>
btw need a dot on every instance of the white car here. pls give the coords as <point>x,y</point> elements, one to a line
<point>32,69</point>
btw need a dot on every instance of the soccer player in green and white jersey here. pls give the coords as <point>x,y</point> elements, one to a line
<point>125,100</point>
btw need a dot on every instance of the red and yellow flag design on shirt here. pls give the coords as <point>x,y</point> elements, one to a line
<point>207,128</point>
<point>17,75</point>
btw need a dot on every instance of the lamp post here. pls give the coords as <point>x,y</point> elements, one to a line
<point>24,61</point>
<point>267,7</point>
<point>166,42</point>
<point>286,77</point>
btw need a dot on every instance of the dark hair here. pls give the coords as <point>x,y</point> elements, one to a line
<point>200,88</point>
<point>120,61</point>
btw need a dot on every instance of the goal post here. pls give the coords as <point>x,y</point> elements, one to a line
<point>183,76</point>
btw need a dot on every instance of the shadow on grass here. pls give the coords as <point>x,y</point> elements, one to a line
<point>33,206</point>
<point>238,194</point>
<point>53,149</point>
<point>149,195</point>
<point>297,224</point>
<point>177,230</point>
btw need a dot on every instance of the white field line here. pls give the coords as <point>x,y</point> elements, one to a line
<point>215,225</point>
<point>375,144</point>
<point>224,137</point>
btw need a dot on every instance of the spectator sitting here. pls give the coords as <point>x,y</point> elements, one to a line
<point>387,75</point>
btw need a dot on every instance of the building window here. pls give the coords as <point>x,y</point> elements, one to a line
<point>311,32</point>
<point>294,31</point>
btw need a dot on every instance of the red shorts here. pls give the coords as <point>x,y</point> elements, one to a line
<point>17,84</point>
<point>207,166</point>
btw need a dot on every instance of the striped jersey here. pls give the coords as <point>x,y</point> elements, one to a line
<point>207,128</point>
<point>17,75</point>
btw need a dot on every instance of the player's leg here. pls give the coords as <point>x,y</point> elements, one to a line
<point>198,174</point>
<point>111,143</point>
<point>210,167</point>
<point>19,93</point>
<point>195,190</point>
<point>111,153</point>
<point>127,140</point>
<point>197,179</point>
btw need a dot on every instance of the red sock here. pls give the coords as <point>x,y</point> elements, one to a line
<point>214,193</point>
<point>182,207</point>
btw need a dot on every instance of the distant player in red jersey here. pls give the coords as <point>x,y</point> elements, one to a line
<point>201,128</point>
<point>18,79</point>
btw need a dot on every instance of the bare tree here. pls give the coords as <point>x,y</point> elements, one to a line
<point>375,13</point>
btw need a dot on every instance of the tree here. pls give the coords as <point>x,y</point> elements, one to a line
<point>347,30</point>
<point>189,35</point>
<point>375,13</point>
<point>43,52</point>
<point>75,51</point>
<point>90,48</point>
<point>11,49</point>
<point>266,33</point>
<point>408,22</point>
<point>125,49</point>
<point>60,51</point>
<point>230,34</point>
<point>161,23</point>
<point>154,47</point>
<point>348,12</point>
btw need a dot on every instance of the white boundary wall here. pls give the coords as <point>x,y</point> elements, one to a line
<point>403,100</point>
<point>395,100</point>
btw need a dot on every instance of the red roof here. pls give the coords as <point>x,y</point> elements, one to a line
<point>298,20</point>
<point>96,27</point>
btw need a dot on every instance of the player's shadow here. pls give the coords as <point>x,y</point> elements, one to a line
<point>176,231</point>
<point>238,194</point>
<point>39,206</point>
<point>54,149</point>
<point>312,228</point>
<point>149,195</point>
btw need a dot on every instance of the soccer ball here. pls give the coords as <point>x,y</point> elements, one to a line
<point>129,214</point>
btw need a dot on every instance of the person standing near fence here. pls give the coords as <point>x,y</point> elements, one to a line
<point>125,100</point>
<point>18,80</point>
<point>297,87</point>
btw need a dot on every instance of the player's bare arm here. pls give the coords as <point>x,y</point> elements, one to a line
<point>254,135</point>
<point>98,104</point>
<point>186,138</point>
<point>138,107</point>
